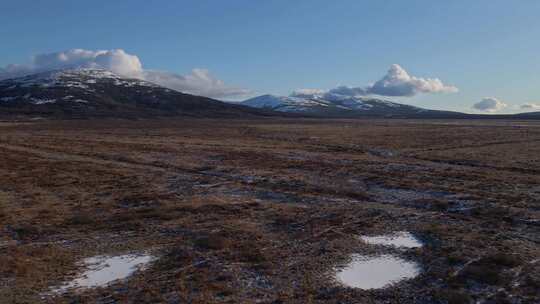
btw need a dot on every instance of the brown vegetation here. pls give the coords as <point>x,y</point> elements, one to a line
<point>239,211</point>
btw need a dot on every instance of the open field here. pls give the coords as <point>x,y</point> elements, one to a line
<point>238,211</point>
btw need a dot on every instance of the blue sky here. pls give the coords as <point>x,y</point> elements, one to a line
<point>484,48</point>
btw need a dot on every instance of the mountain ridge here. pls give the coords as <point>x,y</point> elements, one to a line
<point>89,92</point>
<point>84,92</point>
<point>341,106</point>
<point>333,105</point>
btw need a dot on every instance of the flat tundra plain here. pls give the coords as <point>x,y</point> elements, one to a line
<point>267,211</point>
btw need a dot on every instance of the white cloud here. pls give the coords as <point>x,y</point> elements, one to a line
<point>14,70</point>
<point>397,82</point>
<point>349,91</point>
<point>117,61</point>
<point>490,105</point>
<point>198,82</point>
<point>308,93</point>
<point>530,107</point>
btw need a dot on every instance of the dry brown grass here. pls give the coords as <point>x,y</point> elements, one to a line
<point>242,210</point>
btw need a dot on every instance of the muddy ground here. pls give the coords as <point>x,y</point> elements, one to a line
<point>266,211</point>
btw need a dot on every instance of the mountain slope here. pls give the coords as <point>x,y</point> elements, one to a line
<point>95,92</point>
<point>343,106</point>
<point>529,115</point>
<point>287,104</point>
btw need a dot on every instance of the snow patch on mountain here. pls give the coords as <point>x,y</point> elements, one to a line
<point>329,103</point>
<point>77,78</point>
<point>86,92</point>
<point>38,101</point>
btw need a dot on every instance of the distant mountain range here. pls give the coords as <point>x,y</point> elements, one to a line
<point>334,105</point>
<point>80,93</point>
<point>342,106</point>
<point>86,93</point>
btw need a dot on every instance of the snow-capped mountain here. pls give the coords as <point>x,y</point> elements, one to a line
<point>333,105</point>
<point>341,106</point>
<point>285,104</point>
<point>96,92</point>
<point>79,93</point>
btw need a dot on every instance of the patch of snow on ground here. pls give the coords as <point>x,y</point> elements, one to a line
<point>103,270</point>
<point>366,272</point>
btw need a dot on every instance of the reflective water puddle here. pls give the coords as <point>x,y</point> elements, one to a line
<point>367,272</point>
<point>402,239</point>
<point>102,270</point>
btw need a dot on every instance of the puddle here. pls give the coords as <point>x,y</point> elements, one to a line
<point>367,272</point>
<point>102,270</point>
<point>401,239</point>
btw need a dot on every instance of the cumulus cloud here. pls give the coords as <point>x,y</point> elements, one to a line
<point>530,107</point>
<point>117,61</point>
<point>308,93</point>
<point>397,83</point>
<point>14,70</point>
<point>348,91</point>
<point>490,105</point>
<point>198,82</point>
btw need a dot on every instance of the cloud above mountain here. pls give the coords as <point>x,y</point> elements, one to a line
<point>198,82</point>
<point>490,105</point>
<point>530,107</point>
<point>349,91</point>
<point>396,83</point>
<point>308,93</point>
<point>117,61</point>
